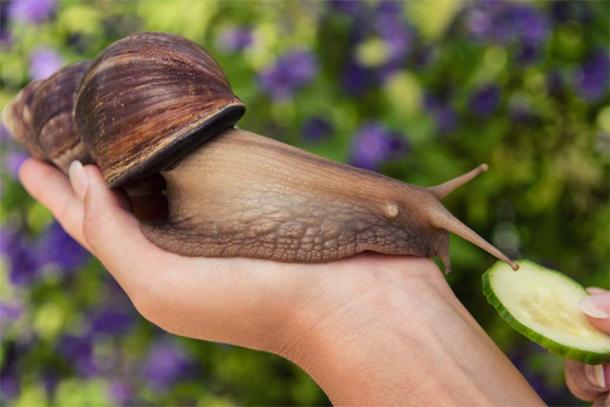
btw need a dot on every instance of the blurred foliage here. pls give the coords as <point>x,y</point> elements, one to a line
<point>420,91</point>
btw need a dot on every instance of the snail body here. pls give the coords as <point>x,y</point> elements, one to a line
<point>158,104</point>
<point>242,194</point>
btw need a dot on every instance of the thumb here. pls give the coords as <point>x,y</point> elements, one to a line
<point>596,307</point>
<point>111,231</point>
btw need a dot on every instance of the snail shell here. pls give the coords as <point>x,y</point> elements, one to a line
<point>147,100</point>
<point>17,117</point>
<point>40,117</point>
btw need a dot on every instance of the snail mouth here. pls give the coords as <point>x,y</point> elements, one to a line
<point>147,199</point>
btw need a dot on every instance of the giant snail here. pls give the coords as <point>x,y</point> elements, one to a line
<point>155,103</point>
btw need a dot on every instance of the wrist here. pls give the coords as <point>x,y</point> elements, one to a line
<point>399,334</point>
<point>363,344</point>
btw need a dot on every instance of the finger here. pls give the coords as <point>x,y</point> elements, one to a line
<point>114,234</point>
<point>52,189</point>
<point>596,290</point>
<point>587,382</point>
<point>597,308</point>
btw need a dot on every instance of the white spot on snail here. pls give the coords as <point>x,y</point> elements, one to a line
<point>390,210</point>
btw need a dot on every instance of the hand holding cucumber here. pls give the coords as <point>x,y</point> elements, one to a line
<point>553,310</point>
<point>543,305</point>
<point>592,382</point>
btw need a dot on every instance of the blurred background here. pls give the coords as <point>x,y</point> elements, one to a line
<point>420,91</point>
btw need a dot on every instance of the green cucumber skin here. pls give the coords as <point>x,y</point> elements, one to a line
<point>589,357</point>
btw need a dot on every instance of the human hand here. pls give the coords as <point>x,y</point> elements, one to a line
<point>370,329</point>
<point>592,382</point>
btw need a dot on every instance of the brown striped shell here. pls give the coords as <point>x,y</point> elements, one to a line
<point>149,99</point>
<point>52,116</point>
<point>17,117</point>
<point>40,117</point>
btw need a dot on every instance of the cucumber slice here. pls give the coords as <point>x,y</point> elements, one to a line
<point>542,304</point>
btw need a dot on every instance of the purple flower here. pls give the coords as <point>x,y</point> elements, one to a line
<point>31,11</point>
<point>506,23</point>
<point>592,79</point>
<point>350,7</point>
<point>44,62</point>
<point>235,39</point>
<point>6,37</point>
<point>111,321</point>
<point>446,119</point>
<point>444,116</point>
<point>9,313</point>
<point>384,22</point>
<point>355,79</point>
<point>373,144</point>
<point>316,129</point>
<point>57,247</point>
<point>478,22</point>
<point>6,239</point>
<point>120,393</point>
<point>21,257</point>
<point>563,11</point>
<point>13,161</point>
<point>485,100</point>
<point>9,382</point>
<point>78,350</point>
<point>390,26</point>
<point>166,365</point>
<point>523,23</point>
<point>528,53</point>
<point>290,72</point>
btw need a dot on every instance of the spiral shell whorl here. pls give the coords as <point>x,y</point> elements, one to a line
<point>17,117</point>
<point>52,116</point>
<point>40,117</point>
<point>147,99</point>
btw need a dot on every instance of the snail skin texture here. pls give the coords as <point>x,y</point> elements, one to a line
<point>155,103</point>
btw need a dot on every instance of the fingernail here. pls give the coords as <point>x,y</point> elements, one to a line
<point>592,306</point>
<point>596,290</point>
<point>78,179</point>
<point>595,375</point>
